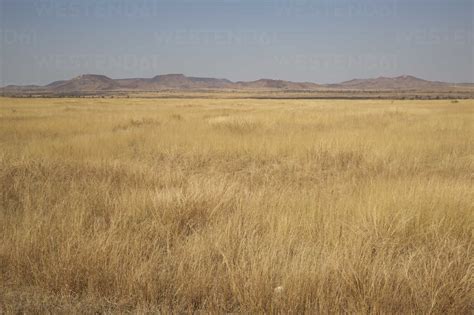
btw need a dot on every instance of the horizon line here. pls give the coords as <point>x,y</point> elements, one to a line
<point>242,81</point>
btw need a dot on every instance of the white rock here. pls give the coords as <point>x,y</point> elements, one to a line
<point>278,290</point>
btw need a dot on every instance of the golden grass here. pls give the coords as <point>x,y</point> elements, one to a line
<point>236,206</point>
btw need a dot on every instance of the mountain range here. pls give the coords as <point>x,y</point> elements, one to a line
<point>90,83</point>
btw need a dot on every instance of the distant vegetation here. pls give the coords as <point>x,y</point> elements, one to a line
<point>233,205</point>
<point>382,87</point>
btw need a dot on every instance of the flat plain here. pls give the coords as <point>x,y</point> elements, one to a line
<point>236,205</point>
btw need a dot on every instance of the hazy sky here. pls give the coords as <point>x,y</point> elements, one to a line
<point>301,40</point>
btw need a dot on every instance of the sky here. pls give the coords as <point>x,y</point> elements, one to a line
<point>324,41</point>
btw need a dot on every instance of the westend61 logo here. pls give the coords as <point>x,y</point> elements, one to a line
<point>217,37</point>
<point>330,61</point>
<point>101,62</point>
<point>341,8</point>
<point>436,36</point>
<point>97,8</point>
<point>16,37</point>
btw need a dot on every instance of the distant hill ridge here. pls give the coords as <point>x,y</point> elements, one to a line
<point>382,83</point>
<point>101,83</point>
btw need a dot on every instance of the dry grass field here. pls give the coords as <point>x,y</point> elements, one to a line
<point>250,206</point>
